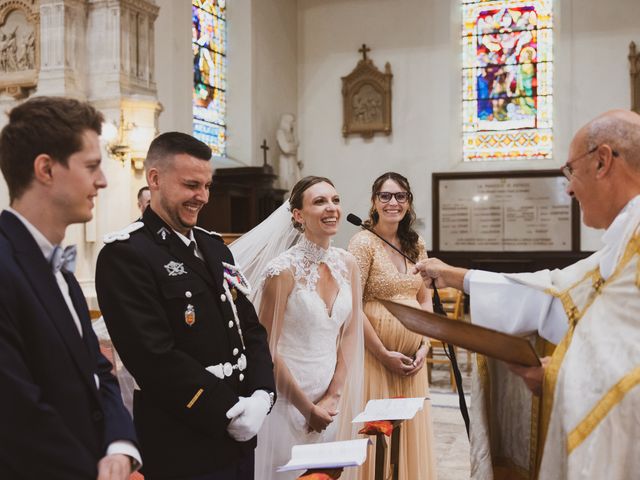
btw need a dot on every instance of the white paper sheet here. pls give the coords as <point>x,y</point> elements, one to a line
<point>349,453</point>
<point>390,409</point>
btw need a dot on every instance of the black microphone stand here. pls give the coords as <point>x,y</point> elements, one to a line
<point>437,308</point>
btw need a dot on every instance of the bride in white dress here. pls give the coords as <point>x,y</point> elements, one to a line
<point>310,303</point>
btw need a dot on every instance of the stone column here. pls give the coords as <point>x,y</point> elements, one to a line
<point>63,48</point>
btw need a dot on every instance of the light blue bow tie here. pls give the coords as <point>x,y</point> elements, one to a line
<point>64,259</point>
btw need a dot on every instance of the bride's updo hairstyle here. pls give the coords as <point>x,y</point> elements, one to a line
<point>297,194</point>
<point>406,234</point>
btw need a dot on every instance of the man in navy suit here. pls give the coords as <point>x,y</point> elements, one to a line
<point>61,415</point>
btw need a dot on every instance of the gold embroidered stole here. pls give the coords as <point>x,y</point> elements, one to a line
<point>576,301</point>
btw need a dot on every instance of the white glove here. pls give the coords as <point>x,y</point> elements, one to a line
<point>247,415</point>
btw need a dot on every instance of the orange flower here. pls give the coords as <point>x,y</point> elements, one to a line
<point>381,426</point>
<point>332,474</point>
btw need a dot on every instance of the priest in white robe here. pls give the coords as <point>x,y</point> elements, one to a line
<point>583,419</point>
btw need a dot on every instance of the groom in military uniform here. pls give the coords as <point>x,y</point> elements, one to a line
<point>176,308</point>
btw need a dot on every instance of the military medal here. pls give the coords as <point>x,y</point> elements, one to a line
<point>234,293</point>
<point>190,315</point>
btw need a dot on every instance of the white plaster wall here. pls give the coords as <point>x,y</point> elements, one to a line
<point>420,38</point>
<point>275,89</point>
<point>240,94</point>
<point>592,75</point>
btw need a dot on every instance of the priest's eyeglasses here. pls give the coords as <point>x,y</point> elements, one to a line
<point>401,197</point>
<point>567,169</point>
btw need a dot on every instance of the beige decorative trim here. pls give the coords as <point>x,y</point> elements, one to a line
<point>366,96</point>
<point>612,398</point>
<point>543,348</point>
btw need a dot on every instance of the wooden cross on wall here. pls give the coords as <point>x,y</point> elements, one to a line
<point>264,148</point>
<point>364,51</point>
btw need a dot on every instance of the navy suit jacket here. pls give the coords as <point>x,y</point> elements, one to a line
<point>54,421</point>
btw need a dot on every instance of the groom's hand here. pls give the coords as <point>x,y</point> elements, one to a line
<point>247,415</point>
<point>114,467</point>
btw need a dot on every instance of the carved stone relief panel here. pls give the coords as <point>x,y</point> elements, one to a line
<point>366,96</point>
<point>19,46</point>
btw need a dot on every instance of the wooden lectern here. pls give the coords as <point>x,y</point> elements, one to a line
<point>240,199</point>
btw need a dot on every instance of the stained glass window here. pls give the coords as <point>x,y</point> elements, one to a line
<point>209,41</point>
<point>507,75</point>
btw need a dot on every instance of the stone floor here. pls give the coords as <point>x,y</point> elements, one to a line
<point>451,443</point>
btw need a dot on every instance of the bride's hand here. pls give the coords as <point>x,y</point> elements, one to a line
<point>398,363</point>
<point>319,419</point>
<point>329,403</point>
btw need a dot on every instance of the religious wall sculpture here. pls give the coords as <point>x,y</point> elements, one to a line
<point>19,46</point>
<point>288,164</point>
<point>634,68</point>
<point>366,96</point>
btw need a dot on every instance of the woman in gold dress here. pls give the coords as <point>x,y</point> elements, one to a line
<point>394,356</point>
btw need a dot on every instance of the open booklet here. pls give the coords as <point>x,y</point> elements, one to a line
<point>350,453</point>
<point>486,341</point>
<point>390,409</point>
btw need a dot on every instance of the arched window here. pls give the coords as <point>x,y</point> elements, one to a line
<point>507,77</point>
<point>209,40</point>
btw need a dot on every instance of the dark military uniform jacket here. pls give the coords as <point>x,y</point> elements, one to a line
<point>170,316</point>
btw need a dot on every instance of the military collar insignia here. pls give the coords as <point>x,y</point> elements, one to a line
<point>163,233</point>
<point>123,234</point>
<point>175,269</point>
<point>235,278</point>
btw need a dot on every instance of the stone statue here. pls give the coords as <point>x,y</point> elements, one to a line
<point>8,49</point>
<point>28,60</point>
<point>289,167</point>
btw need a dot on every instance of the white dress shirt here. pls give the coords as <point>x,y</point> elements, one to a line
<point>187,241</point>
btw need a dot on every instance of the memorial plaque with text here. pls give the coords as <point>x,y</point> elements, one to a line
<point>503,211</point>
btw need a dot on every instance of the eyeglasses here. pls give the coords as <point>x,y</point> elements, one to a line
<point>567,169</point>
<point>401,197</point>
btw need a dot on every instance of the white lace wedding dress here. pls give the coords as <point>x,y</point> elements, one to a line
<point>310,335</point>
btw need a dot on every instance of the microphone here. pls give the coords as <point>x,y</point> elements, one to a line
<point>357,221</point>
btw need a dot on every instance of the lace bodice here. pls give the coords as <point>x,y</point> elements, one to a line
<point>304,258</point>
<point>309,335</point>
